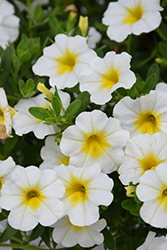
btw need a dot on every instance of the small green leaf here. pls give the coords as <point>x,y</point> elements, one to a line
<point>163,49</point>
<point>154,69</point>
<point>9,145</point>
<point>56,105</point>
<point>84,97</point>
<point>109,242</point>
<point>6,64</point>
<point>37,231</point>
<point>7,234</point>
<point>150,83</point>
<point>39,112</point>
<point>128,204</point>
<point>72,108</point>
<point>30,84</point>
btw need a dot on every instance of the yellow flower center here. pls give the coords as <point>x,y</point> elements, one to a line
<point>77,190</point>
<point>133,15</point>
<point>66,62</point>
<point>149,161</point>
<point>64,160</point>
<point>148,122</point>
<point>95,145</point>
<point>73,227</point>
<point>2,119</point>
<point>1,182</point>
<point>162,197</point>
<point>33,198</point>
<point>109,79</point>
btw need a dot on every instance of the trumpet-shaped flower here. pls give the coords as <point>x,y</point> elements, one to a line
<point>32,196</point>
<point>142,152</point>
<point>52,155</point>
<point>126,17</point>
<point>6,168</point>
<point>24,122</point>
<point>154,243</point>
<point>152,190</point>
<point>86,189</point>
<point>105,75</point>
<point>69,235</point>
<point>64,60</point>
<point>147,114</point>
<point>95,138</point>
<point>9,23</point>
<point>5,116</point>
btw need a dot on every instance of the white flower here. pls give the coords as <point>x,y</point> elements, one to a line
<point>5,116</point>
<point>93,37</point>
<point>161,86</point>
<point>9,23</point>
<point>142,152</point>
<point>152,190</point>
<point>105,75</point>
<point>147,114</point>
<point>52,155</point>
<point>6,168</point>
<point>24,122</point>
<point>126,17</point>
<point>69,235</point>
<point>64,60</point>
<point>32,196</point>
<point>86,189</point>
<point>95,138</point>
<point>154,243</point>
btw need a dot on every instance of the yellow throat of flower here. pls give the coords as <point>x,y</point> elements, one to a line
<point>109,79</point>
<point>133,15</point>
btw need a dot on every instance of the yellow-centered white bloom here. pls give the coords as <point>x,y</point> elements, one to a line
<point>105,75</point>
<point>64,60</point>
<point>152,190</point>
<point>142,152</point>
<point>5,116</point>
<point>95,138</point>
<point>154,243</point>
<point>86,189</point>
<point>24,122</point>
<point>32,196</point>
<point>9,23</point>
<point>69,235</point>
<point>52,155</point>
<point>147,114</point>
<point>126,17</point>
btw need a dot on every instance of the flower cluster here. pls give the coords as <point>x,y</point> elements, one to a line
<point>83,124</point>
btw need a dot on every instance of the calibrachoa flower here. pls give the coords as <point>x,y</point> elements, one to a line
<point>6,168</point>
<point>126,17</point>
<point>142,152</point>
<point>69,235</point>
<point>52,155</point>
<point>24,122</point>
<point>105,75</point>
<point>93,37</point>
<point>32,196</point>
<point>64,60</point>
<point>147,114</point>
<point>86,189</point>
<point>5,116</point>
<point>9,23</point>
<point>95,138</point>
<point>152,190</point>
<point>154,243</point>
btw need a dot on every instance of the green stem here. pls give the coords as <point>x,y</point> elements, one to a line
<point>22,246</point>
<point>161,35</point>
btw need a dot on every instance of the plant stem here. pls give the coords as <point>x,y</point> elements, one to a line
<point>22,246</point>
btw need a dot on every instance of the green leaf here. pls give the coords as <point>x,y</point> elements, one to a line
<point>25,57</point>
<point>109,242</point>
<point>72,108</point>
<point>84,97</point>
<point>150,83</point>
<point>30,84</point>
<point>39,112</point>
<point>37,231</point>
<point>7,234</point>
<point>6,65</point>
<point>128,204</point>
<point>56,105</point>
<point>154,69</point>
<point>9,145</point>
<point>163,49</point>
